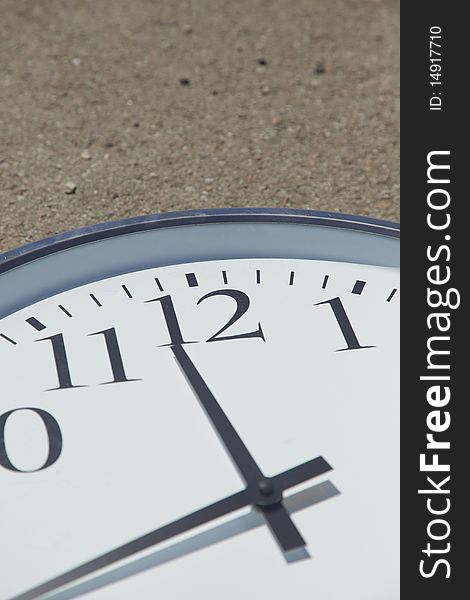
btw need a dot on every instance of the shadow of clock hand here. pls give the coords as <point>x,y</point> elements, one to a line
<point>255,495</point>
<point>297,502</point>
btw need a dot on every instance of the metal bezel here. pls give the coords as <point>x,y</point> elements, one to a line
<point>84,255</point>
<point>61,241</point>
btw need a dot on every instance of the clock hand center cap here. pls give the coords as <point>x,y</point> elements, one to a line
<point>265,487</point>
<point>267,492</point>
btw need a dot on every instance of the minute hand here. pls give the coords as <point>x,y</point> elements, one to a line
<point>275,513</point>
<point>240,454</point>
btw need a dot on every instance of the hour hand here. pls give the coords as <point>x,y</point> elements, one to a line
<point>264,494</point>
<point>195,519</point>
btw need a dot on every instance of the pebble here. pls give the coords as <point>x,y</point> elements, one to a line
<point>70,187</point>
<point>85,155</point>
<point>265,90</point>
<point>187,29</point>
<point>262,61</point>
<point>76,61</point>
<point>320,68</point>
<point>184,81</point>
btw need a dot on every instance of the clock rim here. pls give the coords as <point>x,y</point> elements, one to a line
<point>111,229</point>
<point>76,237</point>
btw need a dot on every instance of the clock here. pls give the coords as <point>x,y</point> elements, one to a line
<point>202,404</point>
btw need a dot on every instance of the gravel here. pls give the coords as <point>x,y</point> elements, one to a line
<point>94,107</point>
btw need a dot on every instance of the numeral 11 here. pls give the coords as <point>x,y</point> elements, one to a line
<point>62,362</point>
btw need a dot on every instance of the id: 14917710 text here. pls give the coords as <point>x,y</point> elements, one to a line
<point>435,67</point>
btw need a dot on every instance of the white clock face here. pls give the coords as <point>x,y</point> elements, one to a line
<point>104,437</point>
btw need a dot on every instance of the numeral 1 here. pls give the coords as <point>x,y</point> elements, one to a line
<point>61,361</point>
<point>344,324</point>
<point>171,320</point>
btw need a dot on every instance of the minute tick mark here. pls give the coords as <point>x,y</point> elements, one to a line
<point>224,277</point>
<point>5,337</point>
<point>128,294</point>
<point>392,293</point>
<point>258,276</point>
<point>64,310</point>
<point>157,281</point>
<point>95,300</point>
<point>325,282</point>
<point>291,278</point>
